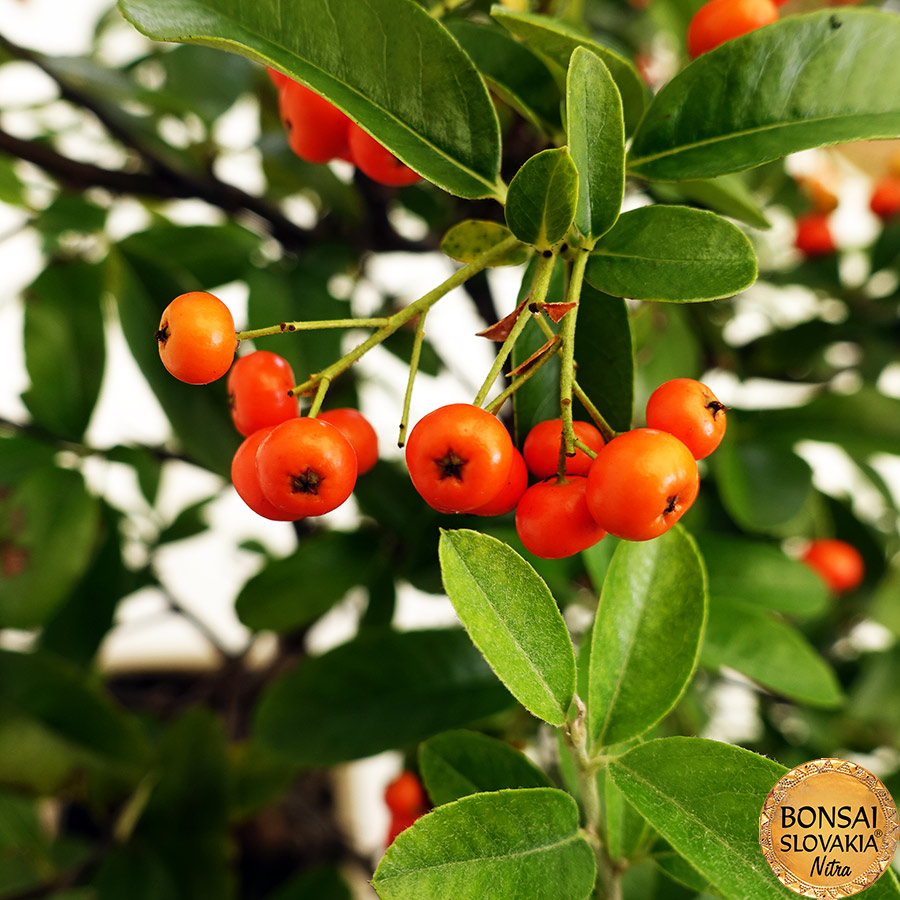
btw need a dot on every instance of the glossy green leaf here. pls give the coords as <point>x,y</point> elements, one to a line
<point>62,699</point>
<point>49,527</point>
<point>727,194</point>
<point>512,618</point>
<point>626,829</point>
<point>746,638</point>
<point>318,883</point>
<point>469,239</point>
<point>596,133</point>
<point>204,81</point>
<point>256,779</point>
<point>672,253</point>
<point>441,123</point>
<point>522,843</point>
<point>380,690</point>
<point>762,485</point>
<point>760,574</point>
<point>518,76</point>
<point>294,591</point>
<point>712,817</point>
<point>458,763</point>
<point>542,196</point>
<point>805,81</point>
<point>135,871</point>
<point>64,347</point>
<point>555,40</point>
<point>34,757</point>
<point>647,635</point>
<point>605,356</point>
<point>679,869</point>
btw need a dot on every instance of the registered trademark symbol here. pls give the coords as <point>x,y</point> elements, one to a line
<point>878,832</point>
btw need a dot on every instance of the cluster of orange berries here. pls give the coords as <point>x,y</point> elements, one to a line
<point>405,799</point>
<point>319,132</point>
<point>462,460</point>
<point>288,467</point>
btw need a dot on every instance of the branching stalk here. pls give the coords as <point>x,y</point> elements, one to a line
<point>501,398</point>
<point>314,325</point>
<point>413,370</point>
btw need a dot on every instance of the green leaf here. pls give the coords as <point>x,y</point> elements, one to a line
<point>64,347</point>
<point>626,828</point>
<point>805,81</point>
<point>458,763</point>
<point>294,591</point>
<point>134,871</point>
<point>256,780</point>
<point>469,239</point>
<point>512,618</point>
<point>704,798</point>
<point>769,651</point>
<point>555,40</point>
<point>678,868</point>
<point>672,253</point>
<point>522,843</point>
<point>204,81</point>
<point>441,122</point>
<point>760,574</point>
<point>513,72</point>
<point>11,190</point>
<point>542,196</point>
<point>61,698</point>
<point>647,635</point>
<point>727,194</point>
<point>605,355</point>
<point>596,141</point>
<point>49,522</point>
<point>380,690</point>
<point>762,485</point>
<point>32,756</point>
<point>319,883</point>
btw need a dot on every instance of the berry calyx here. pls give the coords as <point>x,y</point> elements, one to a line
<point>376,161</point>
<point>721,20</point>
<point>813,237</point>
<point>317,130</point>
<point>553,520</point>
<point>196,338</point>
<point>459,457</point>
<point>690,411</point>
<point>641,483</point>
<point>839,564</point>
<point>306,467</point>
<point>258,391</point>
<point>541,448</point>
<point>245,478</point>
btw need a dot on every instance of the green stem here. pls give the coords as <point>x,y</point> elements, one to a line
<point>605,428</point>
<point>581,445</point>
<point>413,369</point>
<point>567,366</point>
<point>401,317</point>
<point>501,398</point>
<point>315,325</point>
<point>539,288</point>
<point>319,398</point>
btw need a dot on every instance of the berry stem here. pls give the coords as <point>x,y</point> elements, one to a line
<point>539,290</point>
<point>604,427</point>
<point>319,398</point>
<point>413,369</point>
<point>316,325</point>
<point>567,366</point>
<point>501,398</point>
<point>399,318</point>
<point>581,445</point>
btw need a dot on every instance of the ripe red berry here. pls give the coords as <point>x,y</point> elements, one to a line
<point>508,497</point>
<point>885,201</point>
<point>690,411</point>
<point>279,79</point>
<point>553,519</point>
<point>306,467</point>
<point>398,824</point>
<point>641,483</point>
<point>813,236</point>
<point>245,479</point>
<point>317,130</point>
<point>721,20</point>
<point>838,563</point>
<point>458,457</point>
<point>196,338</point>
<point>405,795</point>
<point>377,161</point>
<point>359,431</point>
<point>258,386</point>
<point>541,448</point>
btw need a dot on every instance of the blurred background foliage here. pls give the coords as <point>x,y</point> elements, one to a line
<point>160,781</point>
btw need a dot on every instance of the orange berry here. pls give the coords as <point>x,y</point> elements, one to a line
<point>541,448</point>
<point>813,237</point>
<point>885,201</point>
<point>245,479</point>
<point>690,411</point>
<point>376,161</point>
<point>839,564</point>
<point>258,386</point>
<point>553,519</point>
<point>405,795</point>
<point>317,129</point>
<point>359,431</point>
<point>510,494</point>
<point>721,20</point>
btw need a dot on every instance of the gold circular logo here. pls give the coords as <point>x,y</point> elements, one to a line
<point>828,829</point>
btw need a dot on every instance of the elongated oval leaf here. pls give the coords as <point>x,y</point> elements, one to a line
<point>596,141</point>
<point>541,201</point>
<point>672,253</point>
<point>523,844</point>
<point>369,60</point>
<point>555,40</point>
<point>647,635</point>
<point>727,195</point>
<point>512,618</point>
<point>769,651</point>
<point>458,763</point>
<point>469,239</point>
<point>704,798</point>
<point>380,690</point>
<point>805,81</point>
